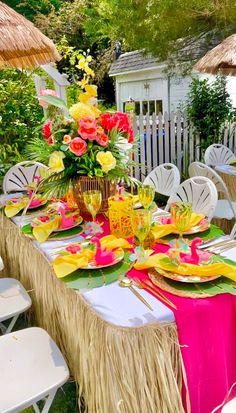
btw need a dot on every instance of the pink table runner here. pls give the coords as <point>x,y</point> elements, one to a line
<point>207,336</point>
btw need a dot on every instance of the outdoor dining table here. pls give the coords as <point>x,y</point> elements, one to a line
<point>228,174</point>
<point>124,357</point>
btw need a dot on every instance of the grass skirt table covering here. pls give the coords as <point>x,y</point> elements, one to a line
<point>118,369</point>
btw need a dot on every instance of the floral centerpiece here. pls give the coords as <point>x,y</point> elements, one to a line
<point>84,146</point>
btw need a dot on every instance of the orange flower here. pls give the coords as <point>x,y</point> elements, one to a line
<point>66,139</point>
<point>102,139</point>
<point>78,146</point>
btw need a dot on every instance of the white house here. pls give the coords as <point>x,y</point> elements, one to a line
<point>143,78</point>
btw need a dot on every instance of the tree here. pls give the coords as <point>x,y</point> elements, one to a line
<point>29,8</point>
<point>155,25</point>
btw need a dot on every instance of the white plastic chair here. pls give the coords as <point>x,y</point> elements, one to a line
<point>32,368</point>
<point>200,192</point>
<point>14,300</point>
<point>218,154</point>
<point>165,178</point>
<point>20,175</point>
<point>225,207</point>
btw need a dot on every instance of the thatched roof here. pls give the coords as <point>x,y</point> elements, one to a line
<point>221,59</point>
<point>22,45</point>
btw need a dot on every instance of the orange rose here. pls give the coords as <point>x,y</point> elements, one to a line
<point>102,139</point>
<point>78,146</point>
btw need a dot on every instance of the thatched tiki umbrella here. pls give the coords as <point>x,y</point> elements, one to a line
<point>22,45</point>
<point>221,59</point>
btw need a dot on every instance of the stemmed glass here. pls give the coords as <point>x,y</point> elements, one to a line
<point>181,215</point>
<point>92,200</point>
<point>141,223</point>
<point>146,195</point>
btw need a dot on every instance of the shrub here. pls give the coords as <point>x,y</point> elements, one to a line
<point>20,115</point>
<point>209,106</point>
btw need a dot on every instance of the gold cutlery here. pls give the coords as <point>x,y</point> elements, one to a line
<point>216,244</point>
<point>150,288</point>
<point>217,249</point>
<point>127,282</point>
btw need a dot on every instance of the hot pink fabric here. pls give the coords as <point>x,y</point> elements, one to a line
<point>207,332</point>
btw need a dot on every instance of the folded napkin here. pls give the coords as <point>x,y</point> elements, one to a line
<point>42,231</point>
<point>164,262</point>
<point>13,209</point>
<point>161,230</point>
<point>110,242</point>
<point>66,264</point>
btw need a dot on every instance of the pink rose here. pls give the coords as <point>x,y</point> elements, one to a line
<point>102,139</point>
<point>78,146</point>
<point>88,128</point>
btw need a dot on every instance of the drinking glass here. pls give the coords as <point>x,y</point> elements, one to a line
<point>92,200</point>
<point>141,223</point>
<point>181,214</point>
<point>146,195</point>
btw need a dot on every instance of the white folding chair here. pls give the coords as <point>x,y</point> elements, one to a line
<point>225,207</point>
<point>32,369</point>
<point>14,300</point>
<point>218,154</point>
<point>165,178</point>
<point>200,192</point>
<point>20,175</point>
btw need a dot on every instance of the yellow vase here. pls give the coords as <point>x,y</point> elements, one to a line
<point>120,214</point>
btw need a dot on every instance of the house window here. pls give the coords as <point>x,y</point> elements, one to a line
<point>159,107</point>
<point>147,107</point>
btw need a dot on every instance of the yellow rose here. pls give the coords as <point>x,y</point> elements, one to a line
<point>80,110</point>
<point>56,161</point>
<point>106,160</point>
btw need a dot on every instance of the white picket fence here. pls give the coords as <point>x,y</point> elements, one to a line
<point>170,138</point>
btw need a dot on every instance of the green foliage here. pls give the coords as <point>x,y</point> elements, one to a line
<point>209,106</point>
<point>29,8</point>
<point>20,114</point>
<point>155,25</point>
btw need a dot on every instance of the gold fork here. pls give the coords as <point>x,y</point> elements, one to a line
<point>150,288</point>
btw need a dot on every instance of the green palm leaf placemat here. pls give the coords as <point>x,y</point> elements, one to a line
<point>27,230</point>
<point>97,278</point>
<point>220,285</point>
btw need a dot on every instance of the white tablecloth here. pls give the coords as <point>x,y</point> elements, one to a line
<point>118,305</point>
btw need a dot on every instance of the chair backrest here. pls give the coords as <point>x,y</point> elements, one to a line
<point>218,154</point>
<point>165,178</point>
<point>200,192</point>
<point>20,175</point>
<point>200,169</point>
